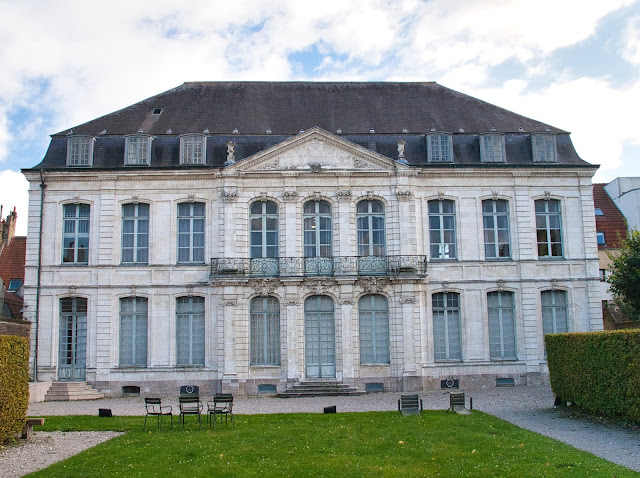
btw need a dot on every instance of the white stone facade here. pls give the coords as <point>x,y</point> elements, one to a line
<point>288,175</point>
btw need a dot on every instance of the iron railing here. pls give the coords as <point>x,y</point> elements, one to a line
<point>319,266</point>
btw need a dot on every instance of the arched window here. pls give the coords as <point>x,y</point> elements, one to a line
<point>371,230</point>
<point>265,331</point>
<point>502,325</point>
<point>190,330</point>
<point>554,312</point>
<point>317,229</point>
<point>374,329</point>
<point>263,220</point>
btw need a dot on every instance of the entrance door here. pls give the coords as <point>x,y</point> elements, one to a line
<point>320,341</point>
<point>72,351</point>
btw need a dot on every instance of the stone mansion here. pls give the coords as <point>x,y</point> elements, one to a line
<point>247,236</point>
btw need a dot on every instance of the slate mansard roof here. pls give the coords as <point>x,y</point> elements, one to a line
<point>374,115</point>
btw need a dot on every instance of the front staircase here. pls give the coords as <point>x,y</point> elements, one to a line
<point>67,391</point>
<point>320,388</point>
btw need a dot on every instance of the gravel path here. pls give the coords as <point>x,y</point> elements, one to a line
<point>47,448</point>
<point>527,407</point>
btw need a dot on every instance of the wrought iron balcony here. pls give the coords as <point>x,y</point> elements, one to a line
<point>389,266</point>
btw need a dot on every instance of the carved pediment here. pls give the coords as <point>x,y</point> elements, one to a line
<point>317,151</point>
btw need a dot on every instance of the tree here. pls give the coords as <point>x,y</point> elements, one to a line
<point>625,276</point>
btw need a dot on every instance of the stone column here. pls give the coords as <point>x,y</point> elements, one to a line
<point>230,374</point>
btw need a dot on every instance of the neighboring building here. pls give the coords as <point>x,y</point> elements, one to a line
<point>12,258</point>
<point>611,229</point>
<point>625,193</point>
<point>247,234</point>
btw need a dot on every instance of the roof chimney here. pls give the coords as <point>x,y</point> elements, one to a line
<point>8,228</point>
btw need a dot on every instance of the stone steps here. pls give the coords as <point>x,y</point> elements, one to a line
<point>320,388</point>
<point>68,391</point>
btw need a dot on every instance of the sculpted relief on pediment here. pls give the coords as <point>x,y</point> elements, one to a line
<point>315,155</point>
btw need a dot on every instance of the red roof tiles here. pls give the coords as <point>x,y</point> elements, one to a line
<point>613,223</point>
<point>12,260</point>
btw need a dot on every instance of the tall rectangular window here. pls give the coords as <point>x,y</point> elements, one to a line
<point>374,329</point>
<point>135,233</point>
<point>554,312</point>
<point>79,151</point>
<point>548,228</point>
<point>76,233</point>
<point>192,149</point>
<point>495,219</point>
<point>190,331</point>
<point>447,340</point>
<point>502,328</point>
<point>371,230</point>
<point>137,150</point>
<point>544,148</point>
<point>265,331</point>
<point>492,148</point>
<point>442,229</point>
<point>133,332</point>
<point>191,232</point>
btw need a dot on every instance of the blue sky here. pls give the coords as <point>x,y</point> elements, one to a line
<point>574,64</point>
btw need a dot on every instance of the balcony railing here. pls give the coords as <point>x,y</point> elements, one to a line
<point>320,266</point>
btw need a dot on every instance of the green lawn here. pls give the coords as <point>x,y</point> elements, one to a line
<point>345,444</point>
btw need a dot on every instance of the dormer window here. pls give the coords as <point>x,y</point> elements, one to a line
<point>544,148</point>
<point>439,148</point>
<point>492,148</point>
<point>137,150</point>
<point>192,149</point>
<point>79,151</point>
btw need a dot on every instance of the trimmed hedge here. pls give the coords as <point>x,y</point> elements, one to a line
<point>14,385</point>
<point>597,371</point>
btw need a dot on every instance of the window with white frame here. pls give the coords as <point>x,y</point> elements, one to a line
<point>265,331</point>
<point>544,148</point>
<point>192,149</point>
<point>79,151</point>
<point>371,230</point>
<point>137,150</point>
<point>317,229</point>
<point>502,325</point>
<point>135,233</point>
<point>492,148</point>
<point>447,339</point>
<point>555,319</point>
<point>439,148</point>
<point>548,228</point>
<point>133,332</point>
<point>76,233</point>
<point>442,229</point>
<point>495,220</point>
<point>190,331</point>
<point>263,220</point>
<point>191,232</point>
<point>374,329</point>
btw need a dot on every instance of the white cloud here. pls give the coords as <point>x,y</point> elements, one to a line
<point>13,193</point>
<point>631,52</point>
<point>602,119</point>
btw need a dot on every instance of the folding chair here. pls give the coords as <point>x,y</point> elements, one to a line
<point>190,406</point>
<point>222,405</point>
<point>154,408</point>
